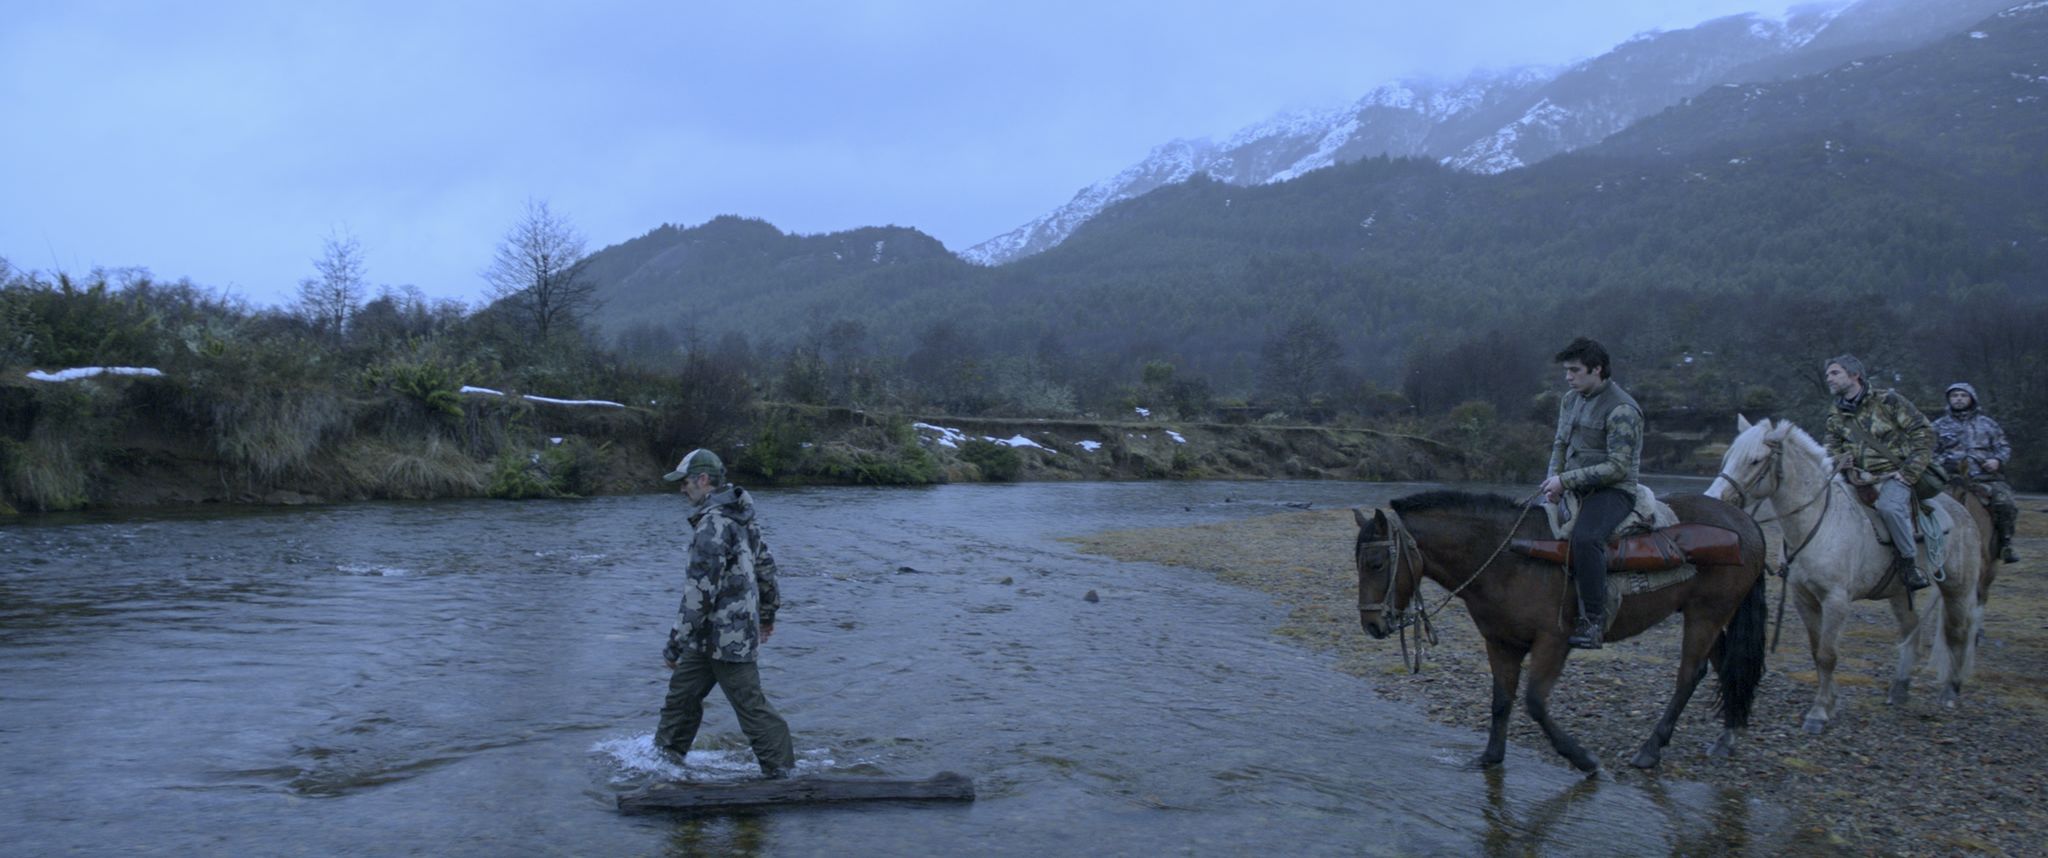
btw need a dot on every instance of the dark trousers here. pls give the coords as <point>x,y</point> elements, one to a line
<point>1599,514</point>
<point>683,712</point>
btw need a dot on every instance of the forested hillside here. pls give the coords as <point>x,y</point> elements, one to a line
<point>1893,207</point>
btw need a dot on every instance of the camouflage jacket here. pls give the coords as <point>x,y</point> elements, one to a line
<point>729,589</point>
<point>1899,436</point>
<point>1599,442</point>
<point>1964,439</point>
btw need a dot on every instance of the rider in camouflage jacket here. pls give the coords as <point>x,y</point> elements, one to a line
<point>729,588</point>
<point>1965,440</point>
<point>1899,437</point>
<point>1881,434</point>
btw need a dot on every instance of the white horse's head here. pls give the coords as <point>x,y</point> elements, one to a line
<point>1753,469</point>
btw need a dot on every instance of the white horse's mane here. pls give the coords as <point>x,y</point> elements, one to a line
<point>1797,436</point>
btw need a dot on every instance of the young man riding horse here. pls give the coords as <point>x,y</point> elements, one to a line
<point>1880,440</point>
<point>1596,456</point>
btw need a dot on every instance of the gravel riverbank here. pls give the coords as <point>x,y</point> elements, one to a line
<point>1910,780</point>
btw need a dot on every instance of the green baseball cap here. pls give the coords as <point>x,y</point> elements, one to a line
<point>700,461</point>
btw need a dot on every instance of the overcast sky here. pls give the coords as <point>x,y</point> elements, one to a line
<point>223,141</point>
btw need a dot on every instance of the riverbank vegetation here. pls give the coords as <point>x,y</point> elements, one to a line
<point>399,396</point>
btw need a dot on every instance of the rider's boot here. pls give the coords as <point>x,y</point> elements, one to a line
<point>1909,574</point>
<point>1587,633</point>
<point>1591,588</point>
<point>2006,553</point>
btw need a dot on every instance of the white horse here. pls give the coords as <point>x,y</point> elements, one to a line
<point>1835,558</point>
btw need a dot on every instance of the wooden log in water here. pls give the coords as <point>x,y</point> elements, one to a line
<point>704,797</point>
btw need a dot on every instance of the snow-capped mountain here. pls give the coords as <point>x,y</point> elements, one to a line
<point>1495,121</point>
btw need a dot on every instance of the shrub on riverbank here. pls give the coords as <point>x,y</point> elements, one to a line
<point>997,462</point>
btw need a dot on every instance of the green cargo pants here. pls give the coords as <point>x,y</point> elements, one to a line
<point>683,711</point>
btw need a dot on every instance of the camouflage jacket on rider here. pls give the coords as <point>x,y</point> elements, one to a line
<point>1896,436</point>
<point>1599,441</point>
<point>729,588</point>
<point>1964,439</point>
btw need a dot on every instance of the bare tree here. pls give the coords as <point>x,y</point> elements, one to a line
<point>332,299</point>
<point>539,270</point>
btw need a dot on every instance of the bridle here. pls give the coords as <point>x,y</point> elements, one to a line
<point>1826,498</point>
<point>1404,561</point>
<point>1400,546</point>
<point>1746,490</point>
<point>1750,498</point>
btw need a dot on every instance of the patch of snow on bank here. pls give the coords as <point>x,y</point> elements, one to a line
<point>89,371</point>
<point>1021,441</point>
<point>947,437</point>
<point>600,403</point>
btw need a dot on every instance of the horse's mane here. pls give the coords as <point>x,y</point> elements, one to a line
<point>1812,446</point>
<point>1446,500</point>
<point>1796,435</point>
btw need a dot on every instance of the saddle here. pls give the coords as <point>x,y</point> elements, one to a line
<point>1927,517</point>
<point>1655,551</point>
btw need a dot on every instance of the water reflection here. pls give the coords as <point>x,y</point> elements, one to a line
<point>743,835</point>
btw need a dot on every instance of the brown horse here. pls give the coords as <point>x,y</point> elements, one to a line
<point>1523,607</point>
<point>1964,490</point>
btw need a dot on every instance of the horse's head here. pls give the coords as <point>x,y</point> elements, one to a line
<point>1389,566</point>
<point>1754,467</point>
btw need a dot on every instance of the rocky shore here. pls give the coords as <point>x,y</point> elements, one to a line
<point>1912,780</point>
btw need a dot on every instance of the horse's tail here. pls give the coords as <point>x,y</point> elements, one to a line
<point>1739,653</point>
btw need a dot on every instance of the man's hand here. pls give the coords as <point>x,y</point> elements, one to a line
<point>1552,489</point>
<point>1900,476</point>
<point>671,664</point>
<point>1991,465</point>
<point>767,630</point>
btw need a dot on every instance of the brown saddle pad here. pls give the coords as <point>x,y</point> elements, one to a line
<point>1665,548</point>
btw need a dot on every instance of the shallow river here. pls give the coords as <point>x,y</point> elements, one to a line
<point>481,678</point>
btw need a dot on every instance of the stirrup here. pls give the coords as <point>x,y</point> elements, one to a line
<point>1909,575</point>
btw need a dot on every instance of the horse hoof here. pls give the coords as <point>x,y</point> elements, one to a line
<point>1949,696</point>
<point>1644,760</point>
<point>1586,764</point>
<point>1899,693</point>
<point>1723,746</point>
<point>1814,726</point>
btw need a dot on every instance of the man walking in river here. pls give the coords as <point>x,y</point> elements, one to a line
<point>728,609</point>
<point>1596,455</point>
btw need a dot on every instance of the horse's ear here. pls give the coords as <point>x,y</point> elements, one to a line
<point>1741,424</point>
<point>1777,433</point>
<point>1359,515</point>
